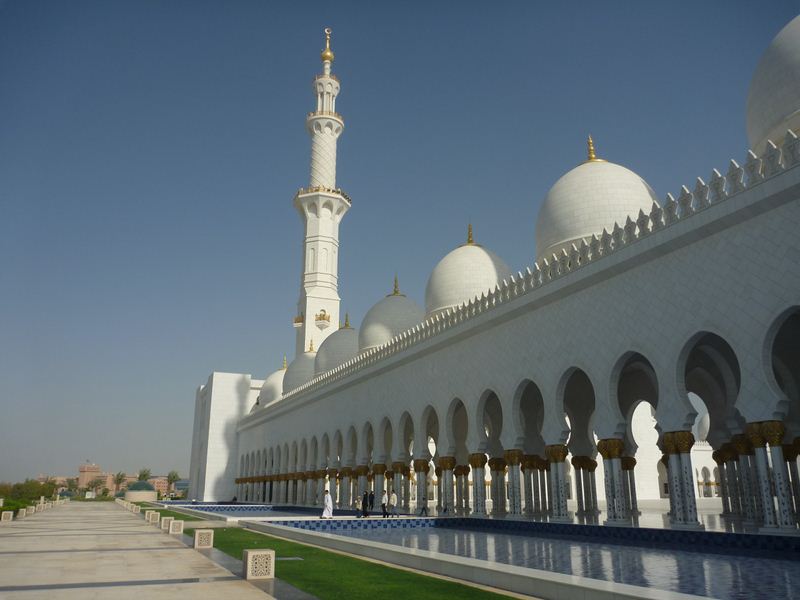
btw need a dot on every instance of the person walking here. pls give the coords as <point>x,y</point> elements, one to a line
<point>424,504</point>
<point>327,511</point>
<point>393,504</point>
<point>365,505</point>
<point>384,503</point>
<point>371,501</point>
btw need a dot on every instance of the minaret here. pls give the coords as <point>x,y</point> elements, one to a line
<point>321,206</point>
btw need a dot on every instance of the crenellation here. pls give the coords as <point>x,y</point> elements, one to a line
<point>656,217</point>
<point>772,160</point>
<point>630,231</point>
<point>685,202</point>
<point>791,149</point>
<point>734,177</point>
<point>605,243</point>
<point>753,168</point>
<point>700,194</point>
<point>716,187</point>
<point>616,236</point>
<point>670,210</point>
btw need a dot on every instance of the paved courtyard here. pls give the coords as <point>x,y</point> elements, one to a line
<point>96,550</point>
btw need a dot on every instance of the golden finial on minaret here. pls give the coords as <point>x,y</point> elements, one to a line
<point>396,290</point>
<point>327,54</point>
<point>285,364</point>
<point>346,321</point>
<point>470,239</point>
<point>311,346</point>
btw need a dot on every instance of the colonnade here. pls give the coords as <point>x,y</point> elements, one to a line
<point>759,481</point>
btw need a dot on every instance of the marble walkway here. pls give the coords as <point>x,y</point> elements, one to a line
<point>98,550</point>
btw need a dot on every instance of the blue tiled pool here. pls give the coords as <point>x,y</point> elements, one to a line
<point>750,573</point>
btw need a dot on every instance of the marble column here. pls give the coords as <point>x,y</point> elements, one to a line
<point>676,496</point>
<point>718,457</point>
<point>333,488</point>
<point>421,467</point>
<point>743,451</point>
<point>544,483</point>
<point>478,462</point>
<point>497,465</point>
<point>557,454</point>
<point>447,464</point>
<point>591,468</point>
<point>406,488</point>
<point>773,432</point>
<point>790,453</point>
<point>345,488</point>
<point>528,490</point>
<point>611,450</point>
<point>378,474</point>
<point>397,482</point>
<point>684,440</point>
<point>437,471</point>
<point>577,467</point>
<point>629,474</point>
<point>732,479</point>
<point>361,472</point>
<point>459,473</point>
<point>762,473</point>
<point>514,460</point>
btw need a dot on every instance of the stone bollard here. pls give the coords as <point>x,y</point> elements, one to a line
<point>22,513</point>
<point>203,538</point>
<point>155,518</point>
<point>137,509</point>
<point>258,564</point>
<point>176,527</point>
<point>30,510</point>
<point>147,514</point>
<point>165,521</point>
<point>1,502</point>
<point>7,515</point>
<point>39,508</point>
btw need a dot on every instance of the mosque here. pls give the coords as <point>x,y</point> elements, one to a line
<point>650,353</point>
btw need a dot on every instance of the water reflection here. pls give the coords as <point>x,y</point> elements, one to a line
<point>714,575</point>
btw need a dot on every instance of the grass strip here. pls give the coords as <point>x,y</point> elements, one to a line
<point>331,576</point>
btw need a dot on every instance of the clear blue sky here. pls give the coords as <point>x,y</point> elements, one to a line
<point>149,152</point>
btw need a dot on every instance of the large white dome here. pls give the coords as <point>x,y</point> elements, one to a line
<point>272,388</point>
<point>391,316</point>
<point>773,102</point>
<point>466,272</point>
<point>592,196</point>
<point>338,348</point>
<point>300,371</point>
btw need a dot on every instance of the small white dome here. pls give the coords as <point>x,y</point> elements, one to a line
<point>466,272</point>
<point>391,316</point>
<point>773,101</point>
<point>272,388</point>
<point>338,348</point>
<point>589,198</point>
<point>300,371</point>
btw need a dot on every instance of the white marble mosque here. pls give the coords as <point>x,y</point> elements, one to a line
<point>650,353</point>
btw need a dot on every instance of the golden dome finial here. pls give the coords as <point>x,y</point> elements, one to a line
<point>590,145</point>
<point>470,239</point>
<point>346,321</point>
<point>396,290</point>
<point>285,364</point>
<point>311,346</point>
<point>327,54</point>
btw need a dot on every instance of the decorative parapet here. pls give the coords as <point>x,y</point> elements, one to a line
<point>689,202</point>
<point>321,188</point>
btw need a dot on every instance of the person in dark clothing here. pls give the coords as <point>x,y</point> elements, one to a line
<point>371,501</point>
<point>365,505</point>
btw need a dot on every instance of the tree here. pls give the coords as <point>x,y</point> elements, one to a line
<point>144,474</point>
<point>172,477</point>
<point>72,484</point>
<point>97,482</point>
<point>119,479</point>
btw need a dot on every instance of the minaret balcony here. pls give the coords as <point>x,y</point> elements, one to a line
<point>298,321</point>
<point>316,189</point>
<point>322,320</point>
<point>329,114</point>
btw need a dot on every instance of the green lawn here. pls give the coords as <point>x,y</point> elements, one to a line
<point>331,576</point>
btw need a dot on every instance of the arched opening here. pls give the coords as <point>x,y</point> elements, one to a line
<point>531,411</point>
<point>491,418</point>
<point>785,357</point>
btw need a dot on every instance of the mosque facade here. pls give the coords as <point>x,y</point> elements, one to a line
<point>650,353</point>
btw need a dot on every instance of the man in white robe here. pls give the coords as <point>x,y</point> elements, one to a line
<point>327,512</point>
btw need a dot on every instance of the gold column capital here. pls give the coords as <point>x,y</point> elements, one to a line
<point>477,460</point>
<point>379,468</point>
<point>773,432</point>
<point>684,440</point>
<point>610,448</point>
<point>447,463</point>
<point>513,457</point>
<point>754,435</point>
<point>742,444</point>
<point>497,464</point>
<point>398,467</point>
<point>421,465</point>
<point>556,452</point>
<point>628,463</point>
